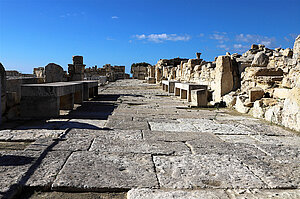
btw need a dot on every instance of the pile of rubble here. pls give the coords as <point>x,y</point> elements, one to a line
<point>262,82</point>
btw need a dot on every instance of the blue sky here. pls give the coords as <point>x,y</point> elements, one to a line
<point>34,33</point>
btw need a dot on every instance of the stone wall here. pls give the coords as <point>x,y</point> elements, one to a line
<point>112,73</point>
<point>140,71</point>
<point>76,70</point>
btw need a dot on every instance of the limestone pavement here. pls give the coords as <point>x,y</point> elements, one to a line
<point>135,138</point>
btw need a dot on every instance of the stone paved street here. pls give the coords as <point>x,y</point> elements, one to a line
<point>138,139</point>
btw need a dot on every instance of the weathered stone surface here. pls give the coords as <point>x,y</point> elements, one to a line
<point>291,110</point>
<point>224,77</point>
<point>13,168</point>
<point>54,73</point>
<point>101,144</point>
<point>96,171</point>
<point>180,136</point>
<point>240,105</point>
<point>296,48</point>
<point>177,127</point>
<point>176,194</point>
<point>47,170</point>
<point>127,125</point>
<point>205,125</point>
<point>33,134</point>
<point>204,171</point>
<point>276,174</point>
<point>256,94</point>
<point>70,144</point>
<point>281,93</point>
<point>260,59</point>
<point>264,193</point>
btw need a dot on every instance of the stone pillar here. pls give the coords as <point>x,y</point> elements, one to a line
<point>67,102</point>
<point>76,70</point>
<point>54,73</point>
<point>223,78</point>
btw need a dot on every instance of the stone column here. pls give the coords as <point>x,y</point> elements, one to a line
<point>76,70</point>
<point>224,78</point>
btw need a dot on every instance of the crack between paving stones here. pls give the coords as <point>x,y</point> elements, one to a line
<point>62,166</point>
<point>149,127</point>
<point>91,144</point>
<point>154,168</point>
<point>265,183</point>
<point>190,147</point>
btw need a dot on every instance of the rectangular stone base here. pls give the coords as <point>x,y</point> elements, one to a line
<point>199,97</point>
<point>40,107</point>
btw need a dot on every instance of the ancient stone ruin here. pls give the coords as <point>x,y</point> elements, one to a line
<point>262,82</point>
<point>165,133</point>
<point>76,70</point>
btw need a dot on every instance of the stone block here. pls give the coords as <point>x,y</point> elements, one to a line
<point>199,97</point>
<point>94,171</point>
<point>281,93</point>
<point>139,146</point>
<point>54,73</point>
<point>204,171</point>
<point>255,94</point>
<point>260,59</point>
<point>40,107</point>
<point>177,194</point>
<point>177,127</point>
<point>224,78</point>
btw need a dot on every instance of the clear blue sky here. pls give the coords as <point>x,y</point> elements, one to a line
<point>34,33</point>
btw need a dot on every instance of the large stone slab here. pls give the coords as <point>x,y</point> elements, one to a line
<point>44,173</point>
<point>204,171</point>
<point>274,173</point>
<point>70,144</point>
<point>13,167</point>
<point>127,125</point>
<point>264,193</point>
<point>172,126</point>
<point>170,136</point>
<point>239,150</point>
<point>206,125</point>
<point>103,171</point>
<point>176,194</point>
<point>101,144</point>
<point>106,134</point>
<point>32,134</point>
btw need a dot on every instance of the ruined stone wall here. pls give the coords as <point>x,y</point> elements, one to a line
<point>112,73</point>
<point>262,82</point>
<point>139,72</point>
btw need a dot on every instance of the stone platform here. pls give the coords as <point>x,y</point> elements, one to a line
<point>138,139</point>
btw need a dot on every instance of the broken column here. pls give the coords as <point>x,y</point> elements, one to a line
<point>76,70</point>
<point>198,55</point>
<point>54,73</point>
<point>224,77</point>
